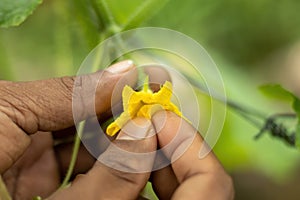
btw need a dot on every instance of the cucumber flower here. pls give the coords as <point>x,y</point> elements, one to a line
<point>143,103</point>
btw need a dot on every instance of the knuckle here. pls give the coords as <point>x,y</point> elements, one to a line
<point>13,142</point>
<point>226,183</point>
<point>66,84</point>
<point>17,107</point>
<point>131,179</point>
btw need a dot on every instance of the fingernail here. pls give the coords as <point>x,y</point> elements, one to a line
<point>136,129</point>
<point>121,67</point>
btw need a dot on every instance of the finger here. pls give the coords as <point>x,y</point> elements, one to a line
<point>199,178</point>
<point>26,107</point>
<point>164,181</point>
<point>38,161</point>
<point>84,161</point>
<point>92,145</point>
<point>121,173</point>
<point>46,105</point>
<point>157,76</point>
<point>13,142</point>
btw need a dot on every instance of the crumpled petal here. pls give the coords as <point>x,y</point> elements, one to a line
<point>143,103</point>
<point>114,127</point>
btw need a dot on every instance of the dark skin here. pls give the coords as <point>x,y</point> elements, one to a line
<point>30,113</point>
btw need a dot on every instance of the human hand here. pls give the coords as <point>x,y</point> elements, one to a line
<point>30,164</point>
<point>188,176</point>
<point>101,182</point>
<point>123,174</point>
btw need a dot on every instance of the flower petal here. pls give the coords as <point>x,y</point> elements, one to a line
<point>143,104</point>
<point>164,94</point>
<point>126,95</point>
<point>114,127</point>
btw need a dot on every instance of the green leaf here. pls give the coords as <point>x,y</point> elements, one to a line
<point>296,107</point>
<point>276,91</point>
<point>13,13</point>
<point>298,135</point>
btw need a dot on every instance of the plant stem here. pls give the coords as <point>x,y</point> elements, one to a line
<point>105,13</point>
<point>144,11</point>
<point>74,155</point>
<point>94,5</point>
<point>64,59</point>
<point>249,118</point>
<point>232,104</point>
<point>106,17</point>
<point>4,195</point>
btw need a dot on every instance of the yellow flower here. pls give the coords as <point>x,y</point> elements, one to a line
<point>143,103</point>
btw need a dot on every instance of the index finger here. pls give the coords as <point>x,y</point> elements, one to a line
<point>46,105</point>
<point>202,178</point>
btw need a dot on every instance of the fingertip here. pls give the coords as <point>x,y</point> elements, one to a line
<point>172,130</point>
<point>133,151</point>
<point>121,67</point>
<point>110,83</point>
<point>137,129</point>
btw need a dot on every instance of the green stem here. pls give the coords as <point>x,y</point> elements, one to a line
<point>245,110</point>
<point>64,58</point>
<point>249,118</point>
<point>144,11</point>
<point>105,13</point>
<point>74,155</point>
<point>4,195</point>
<point>230,103</point>
<point>106,17</point>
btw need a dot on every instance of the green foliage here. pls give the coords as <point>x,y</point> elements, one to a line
<point>244,32</point>
<point>13,13</point>
<point>276,91</point>
<point>280,93</point>
<point>296,107</point>
<point>131,14</point>
<point>87,20</point>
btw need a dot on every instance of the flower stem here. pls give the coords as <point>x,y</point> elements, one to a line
<point>74,155</point>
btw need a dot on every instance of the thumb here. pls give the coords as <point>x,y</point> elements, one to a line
<point>122,171</point>
<point>46,105</point>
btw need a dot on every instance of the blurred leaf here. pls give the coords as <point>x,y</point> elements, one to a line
<point>86,17</point>
<point>13,13</point>
<point>276,91</point>
<point>213,22</point>
<point>298,135</point>
<point>296,107</point>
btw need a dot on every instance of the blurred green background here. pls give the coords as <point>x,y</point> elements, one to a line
<point>252,42</point>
